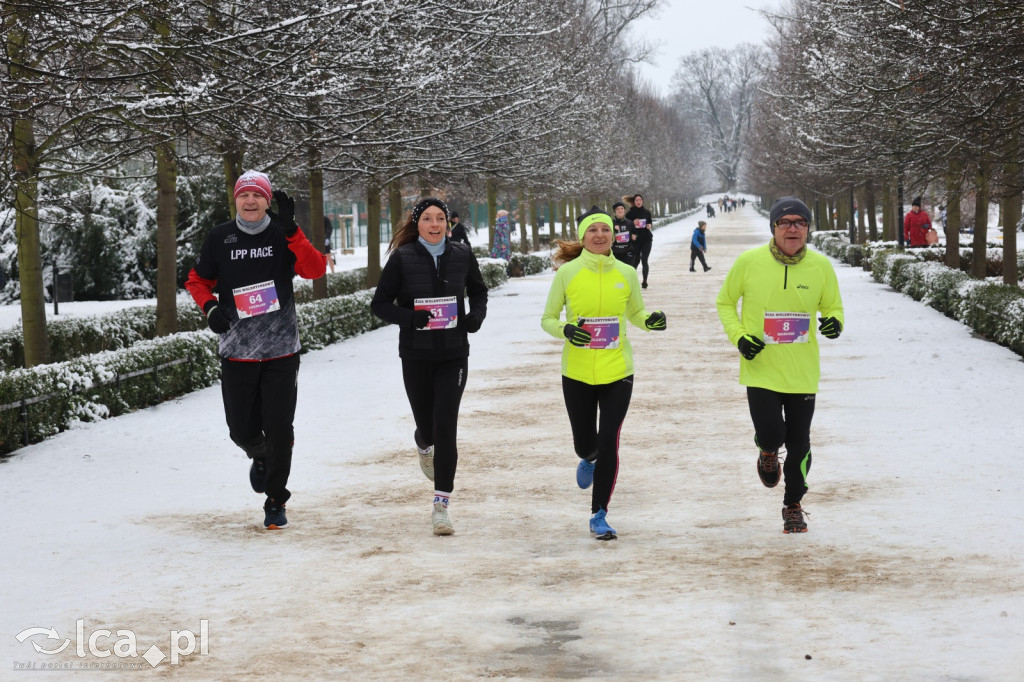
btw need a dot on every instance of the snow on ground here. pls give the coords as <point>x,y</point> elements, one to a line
<point>911,570</point>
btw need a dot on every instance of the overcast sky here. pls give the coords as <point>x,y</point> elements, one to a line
<point>680,27</point>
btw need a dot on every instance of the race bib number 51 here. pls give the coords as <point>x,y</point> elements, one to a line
<point>604,332</point>
<point>787,327</point>
<point>256,299</point>
<point>445,311</point>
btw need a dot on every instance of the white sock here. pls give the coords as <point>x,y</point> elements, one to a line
<point>442,497</point>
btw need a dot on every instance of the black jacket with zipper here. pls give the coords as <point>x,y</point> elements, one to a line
<point>410,274</point>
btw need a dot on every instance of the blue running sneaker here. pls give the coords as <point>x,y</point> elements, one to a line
<point>274,516</point>
<point>600,528</point>
<point>258,475</point>
<point>585,474</point>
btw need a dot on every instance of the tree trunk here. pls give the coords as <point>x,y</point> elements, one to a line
<point>372,232</point>
<point>316,217</point>
<point>871,208</point>
<point>524,240</point>
<point>231,158</point>
<point>166,239</point>
<point>552,221</point>
<point>1011,215</point>
<point>531,205</point>
<point>396,210</point>
<point>24,156</point>
<point>954,184</point>
<point>862,231</point>
<point>888,219</point>
<point>492,210</point>
<point>979,259</point>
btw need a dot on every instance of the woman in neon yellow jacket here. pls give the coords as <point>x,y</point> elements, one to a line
<point>783,286</point>
<point>599,294</point>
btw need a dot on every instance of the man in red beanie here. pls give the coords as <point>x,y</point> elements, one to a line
<point>242,280</point>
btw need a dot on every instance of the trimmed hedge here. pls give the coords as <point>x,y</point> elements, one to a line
<point>993,310</point>
<point>76,336</point>
<point>46,399</point>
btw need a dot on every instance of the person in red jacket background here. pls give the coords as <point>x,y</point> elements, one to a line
<point>916,225</point>
<point>242,280</point>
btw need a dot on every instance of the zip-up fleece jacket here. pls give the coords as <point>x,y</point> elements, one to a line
<point>595,286</point>
<point>409,274</point>
<point>765,285</point>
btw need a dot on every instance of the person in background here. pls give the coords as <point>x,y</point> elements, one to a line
<point>699,245</point>
<point>916,225</point>
<point>599,294</point>
<point>502,247</point>
<point>782,286</point>
<point>422,289</point>
<point>457,232</point>
<point>643,224</point>
<point>624,237</point>
<point>242,280</point>
<point>328,232</point>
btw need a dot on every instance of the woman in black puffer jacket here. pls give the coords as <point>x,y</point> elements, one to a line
<point>422,289</point>
<point>641,221</point>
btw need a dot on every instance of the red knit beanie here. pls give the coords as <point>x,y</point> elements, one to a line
<point>253,181</point>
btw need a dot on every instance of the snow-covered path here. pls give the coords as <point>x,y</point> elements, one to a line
<point>912,568</point>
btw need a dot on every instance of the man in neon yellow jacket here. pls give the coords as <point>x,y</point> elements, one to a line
<point>782,286</point>
<point>599,294</point>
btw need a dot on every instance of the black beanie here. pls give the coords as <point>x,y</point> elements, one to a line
<point>617,204</point>
<point>788,206</point>
<point>418,209</point>
<point>916,202</point>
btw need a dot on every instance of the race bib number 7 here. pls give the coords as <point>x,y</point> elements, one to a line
<point>444,309</point>
<point>604,332</point>
<point>787,327</point>
<point>256,299</point>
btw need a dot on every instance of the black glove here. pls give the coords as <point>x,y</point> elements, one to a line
<point>420,318</point>
<point>285,216</point>
<point>578,336</point>
<point>471,323</point>
<point>750,346</point>
<point>830,327</point>
<point>218,320</point>
<point>656,321</point>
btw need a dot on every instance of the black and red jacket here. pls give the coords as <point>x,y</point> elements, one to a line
<point>232,262</point>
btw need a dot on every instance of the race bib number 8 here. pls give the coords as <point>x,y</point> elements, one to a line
<point>445,311</point>
<point>604,332</point>
<point>787,327</point>
<point>256,299</point>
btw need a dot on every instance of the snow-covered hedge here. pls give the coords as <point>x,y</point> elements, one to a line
<point>39,402</point>
<point>992,309</point>
<point>76,336</point>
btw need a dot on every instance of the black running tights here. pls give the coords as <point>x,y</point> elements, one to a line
<point>598,435</point>
<point>785,419</point>
<point>435,392</point>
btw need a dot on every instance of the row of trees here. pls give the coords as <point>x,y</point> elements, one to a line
<point>147,101</point>
<point>876,101</point>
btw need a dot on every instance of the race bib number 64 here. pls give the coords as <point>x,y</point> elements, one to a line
<point>256,299</point>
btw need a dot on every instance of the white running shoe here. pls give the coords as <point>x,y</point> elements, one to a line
<point>439,519</point>
<point>426,457</point>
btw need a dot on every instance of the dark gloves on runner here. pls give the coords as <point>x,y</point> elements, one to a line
<point>420,318</point>
<point>578,336</point>
<point>830,327</point>
<point>217,319</point>
<point>471,323</point>
<point>656,321</point>
<point>750,346</point>
<point>285,216</point>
